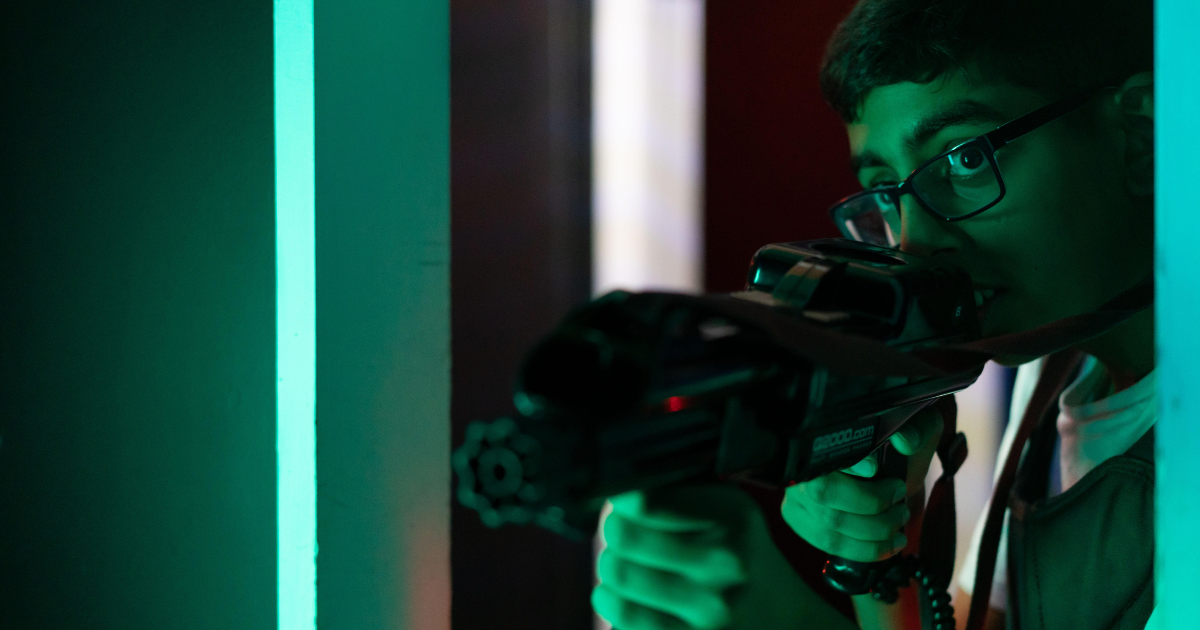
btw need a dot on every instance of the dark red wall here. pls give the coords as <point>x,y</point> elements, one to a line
<point>775,155</point>
<point>520,257</point>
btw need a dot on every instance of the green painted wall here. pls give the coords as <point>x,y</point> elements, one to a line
<point>383,353</point>
<point>137,315</point>
<point>137,358</point>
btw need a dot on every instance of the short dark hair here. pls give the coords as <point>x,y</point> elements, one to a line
<point>1056,47</point>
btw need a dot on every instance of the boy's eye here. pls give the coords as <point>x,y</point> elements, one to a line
<point>967,162</point>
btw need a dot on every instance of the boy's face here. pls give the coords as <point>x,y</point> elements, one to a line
<point>1071,232</point>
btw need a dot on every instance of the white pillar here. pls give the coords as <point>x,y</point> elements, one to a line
<point>647,144</point>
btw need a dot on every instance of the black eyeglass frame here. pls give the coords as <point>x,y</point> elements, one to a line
<point>989,143</point>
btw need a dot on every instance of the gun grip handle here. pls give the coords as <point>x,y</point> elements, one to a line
<point>859,578</point>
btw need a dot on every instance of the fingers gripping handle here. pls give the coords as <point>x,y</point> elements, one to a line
<point>935,562</point>
<point>859,578</point>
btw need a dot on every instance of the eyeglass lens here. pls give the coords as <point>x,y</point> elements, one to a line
<point>957,184</point>
<point>871,218</point>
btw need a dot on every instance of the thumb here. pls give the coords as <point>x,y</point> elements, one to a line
<point>920,434</point>
<point>918,439</point>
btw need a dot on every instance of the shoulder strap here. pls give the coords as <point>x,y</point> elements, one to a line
<point>1033,473</point>
<point>1056,370</point>
<point>938,528</point>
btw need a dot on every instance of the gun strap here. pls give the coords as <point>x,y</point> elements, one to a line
<point>938,527</point>
<point>1056,369</point>
<point>857,355</point>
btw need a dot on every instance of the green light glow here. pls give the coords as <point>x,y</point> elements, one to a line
<point>1177,161</point>
<point>295,303</point>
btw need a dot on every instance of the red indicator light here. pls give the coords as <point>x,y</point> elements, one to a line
<point>676,403</point>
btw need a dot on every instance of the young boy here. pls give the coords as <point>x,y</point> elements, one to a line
<point>1053,224</point>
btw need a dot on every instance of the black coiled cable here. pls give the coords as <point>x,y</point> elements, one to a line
<point>936,611</point>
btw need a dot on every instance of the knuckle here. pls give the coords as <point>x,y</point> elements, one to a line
<point>719,565</point>
<point>710,613</point>
<point>796,515</point>
<point>879,528</point>
<point>610,569</point>
<point>832,519</point>
<point>879,502</point>
<point>897,517</point>
<point>637,617</point>
<point>608,605</point>
<point>623,536</point>
<point>824,489</point>
<point>811,490</point>
<point>703,608</point>
<point>790,509</point>
<point>628,503</point>
<point>825,540</point>
<point>673,587</point>
<point>879,498</point>
<point>849,548</point>
<point>836,544</point>
<point>616,610</point>
<point>859,551</point>
<point>613,531</point>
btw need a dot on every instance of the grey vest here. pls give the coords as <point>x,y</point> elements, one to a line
<point>1084,559</point>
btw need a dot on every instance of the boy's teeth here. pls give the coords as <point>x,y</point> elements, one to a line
<point>980,296</point>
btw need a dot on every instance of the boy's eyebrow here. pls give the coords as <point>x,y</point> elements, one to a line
<point>962,112</point>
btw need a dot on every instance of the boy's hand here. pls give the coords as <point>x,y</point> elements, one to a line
<point>698,557</point>
<point>847,514</point>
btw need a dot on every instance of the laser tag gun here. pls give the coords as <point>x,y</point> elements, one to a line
<point>801,374</point>
<point>807,371</point>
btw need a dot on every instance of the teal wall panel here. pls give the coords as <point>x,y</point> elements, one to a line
<point>1177,93</point>
<point>382,218</point>
<point>137,316</point>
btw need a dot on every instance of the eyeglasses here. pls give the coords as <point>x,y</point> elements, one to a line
<point>955,185</point>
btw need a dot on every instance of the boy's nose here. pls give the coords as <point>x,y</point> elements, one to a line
<point>923,234</point>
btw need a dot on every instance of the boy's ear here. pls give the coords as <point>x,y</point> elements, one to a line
<point>1135,106</point>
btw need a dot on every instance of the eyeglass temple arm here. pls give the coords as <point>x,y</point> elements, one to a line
<point>1010,131</point>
